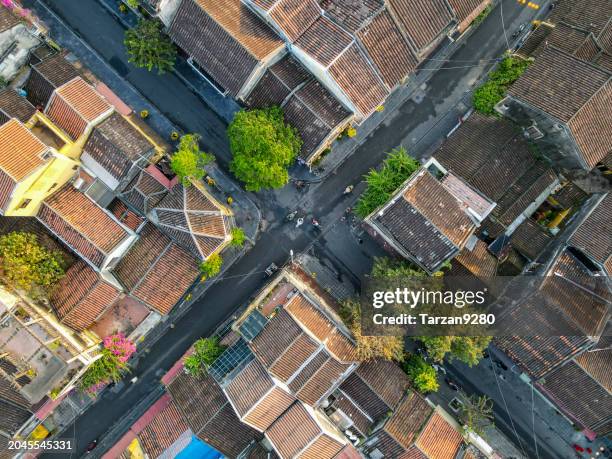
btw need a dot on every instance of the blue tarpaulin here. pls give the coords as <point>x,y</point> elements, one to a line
<point>197,449</point>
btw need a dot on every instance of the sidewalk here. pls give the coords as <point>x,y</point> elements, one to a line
<point>225,107</point>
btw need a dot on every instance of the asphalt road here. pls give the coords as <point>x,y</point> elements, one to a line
<point>445,89</point>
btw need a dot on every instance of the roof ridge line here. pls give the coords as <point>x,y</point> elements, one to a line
<point>355,404</point>
<point>162,253</point>
<point>592,95</point>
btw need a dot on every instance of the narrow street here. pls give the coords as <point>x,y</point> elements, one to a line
<point>414,120</point>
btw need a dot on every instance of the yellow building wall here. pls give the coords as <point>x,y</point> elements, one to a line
<point>39,185</point>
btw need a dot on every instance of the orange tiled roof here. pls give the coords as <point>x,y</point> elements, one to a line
<point>87,218</point>
<point>83,98</point>
<point>321,327</point>
<point>20,150</point>
<point>82,296</point>
<point>439,440</point>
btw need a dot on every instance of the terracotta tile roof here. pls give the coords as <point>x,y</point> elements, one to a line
<point>84,99</point>
<point>591,15</point>
<point>47,75</point>
<point>295,355</point>
<point>318,379</point>
<point>248,387</point>
<point>296,433</point>
<point>12,105</point>
<point>117,146</point>
<point>8,20</point>
<point>592,234</point>
<point>361,421</point>
<point>387,48</point>
<point>416,453</point>
<point>144,192</point>
<point>464,8</point>
<point>352,15</point>
<point>415,235</point>
<point>597,363</point>
<point>348,452</point>
<point>358,79</point>
<point>425,220</point>
<point>488,153</point>
<point>317,323</point>
<point>592,127</point>
<point>530,239</point>
<point>579,394</point>
<point>20,150</point>
<point>82,224</point>
<point>323,447</point>
<point>164,429</point>
<point>364,397</point>
<point>577,310</point>
<point>225,37</point>
<point>423,20</point>
<point>192,219</point>
<point>269,409</point>
<point>277,336</point>
<point>295,16</point>
<point>56,70</point>
<point>311,109</point>
<point>524,191</point>
<point>156,271</point>
<point>556,96</point>
<point>278,82</point>
<point>408,419</point>
<point>440,207</point>
<point>324,41</point>
<point>82,296</point>
<point>386,379</point>
<point>209,414</point>
<point>168,279</point>
<point>124,215</point>
<point>478,261</point>
<point>439,439</point>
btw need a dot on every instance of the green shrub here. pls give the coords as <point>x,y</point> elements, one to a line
<point>212,266</point>
<point>381,184</point>
<point>238,237</point>
<point>423,376</point>
<point>494,89</point>
<point>205,352</point>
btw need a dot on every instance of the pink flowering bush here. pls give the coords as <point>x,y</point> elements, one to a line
<point>7,3</point>
<point>119,346</point>
<point>111,366</point>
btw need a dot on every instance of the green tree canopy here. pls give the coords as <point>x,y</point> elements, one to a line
<point>212,266</point>
<point>468,349</point>
<point>476,412</point>
<point>108,368</point>
<point>494,89</point>
<point>381,184</point>
<point>238,237</point>
<point>263,147</point>
<point>148,47</point>
<point>422,375</point>
<point>25,264</point>
<point>205,352</point>
<point>188,160</point>
<point>370,347</point>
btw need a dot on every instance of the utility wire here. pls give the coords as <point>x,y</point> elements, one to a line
<point>507,410</point>
<point>501,13</point>
<point>535,440</point>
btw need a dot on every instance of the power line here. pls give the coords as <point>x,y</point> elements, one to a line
<point>507,410</point>
<point>501,13</point>
<point>535,440</point>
